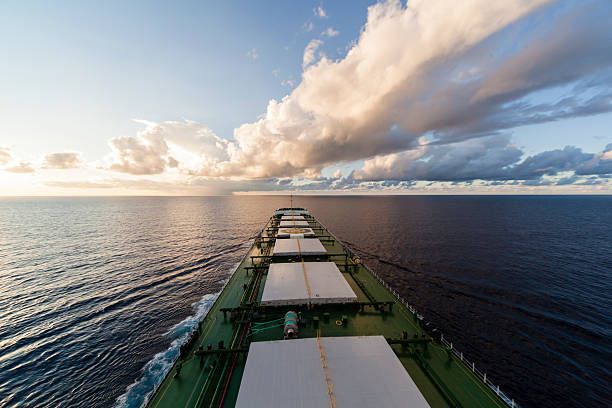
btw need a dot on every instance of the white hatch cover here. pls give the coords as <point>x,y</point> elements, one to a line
<point>292,217</point>
<point>296,223</point>
<point>291,212</point>
<point>298,246</point>
<point>300,283</point>
<point>364,370</point>
<point>292,232</point>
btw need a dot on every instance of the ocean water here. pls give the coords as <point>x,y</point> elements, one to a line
<point>97,294</point>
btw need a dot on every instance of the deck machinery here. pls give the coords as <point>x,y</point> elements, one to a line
<point>303,323</point>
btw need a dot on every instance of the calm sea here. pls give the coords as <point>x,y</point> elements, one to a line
<point>96,294</point>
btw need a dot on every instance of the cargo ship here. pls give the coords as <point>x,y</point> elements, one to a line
<point>303,323</point>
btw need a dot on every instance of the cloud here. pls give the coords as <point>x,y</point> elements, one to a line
<point>319,12</point>
<point>252,54</point>
<point>5,155</point>
<point>187,145</point>
<point>330,32</point>
<point>549,163</point>
<point>483,158</point>
<point>425,93</point>
<point>387,92</point>
<point>486,158</point>
<point>308,26</point>
<point>599,163</point>
<point>309,52</point>
<point>195,185</point>
<point>145,154</point>
<point>83,184</point>
<point>22,167</point>
<point>66,160</point>
<point>290,82</point>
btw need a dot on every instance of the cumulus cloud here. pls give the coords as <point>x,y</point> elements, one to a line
<point>66,160</point>
<point>425,93</point>
<point>482,158</point>
<point>5,155</point>
<point>144,154</point>
<point>358,107</point>
<point>486,158</point>
<point>22,167</point>
<point>169,145</point>
<point>599,163</point>
<point>549,163</point>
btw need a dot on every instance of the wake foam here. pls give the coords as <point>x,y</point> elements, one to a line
<point>139,393</point>
<point>154,372</point>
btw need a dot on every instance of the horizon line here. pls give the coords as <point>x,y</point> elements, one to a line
<point>305,195</point>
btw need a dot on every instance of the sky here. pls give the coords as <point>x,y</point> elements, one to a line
<point>314,97</point>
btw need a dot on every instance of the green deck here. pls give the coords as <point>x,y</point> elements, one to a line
<point>205,381</point>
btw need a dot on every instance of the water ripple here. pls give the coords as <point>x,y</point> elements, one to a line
<point>99,293</point>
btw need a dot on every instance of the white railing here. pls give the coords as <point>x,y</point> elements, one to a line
<point>471,365</point>
<point>478,373</point>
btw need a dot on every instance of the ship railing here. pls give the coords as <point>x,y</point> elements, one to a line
<point>471,365</point>
<point>480,374</point>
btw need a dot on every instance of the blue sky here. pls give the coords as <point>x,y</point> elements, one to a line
<point>97,65</point>
<point>75,75</point>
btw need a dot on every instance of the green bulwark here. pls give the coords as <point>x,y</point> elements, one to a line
<point>209,371</point>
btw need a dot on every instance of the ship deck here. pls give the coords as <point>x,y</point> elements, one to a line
<point>212,364</point>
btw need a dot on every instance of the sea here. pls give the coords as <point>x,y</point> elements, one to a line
<point>97,294</point>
